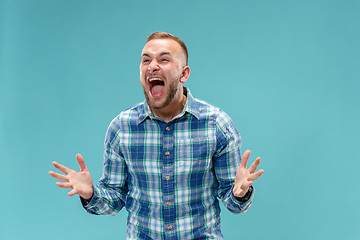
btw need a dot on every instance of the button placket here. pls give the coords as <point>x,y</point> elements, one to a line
<point>168,186</point>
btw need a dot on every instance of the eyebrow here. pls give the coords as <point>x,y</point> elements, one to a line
<point>161,54</point>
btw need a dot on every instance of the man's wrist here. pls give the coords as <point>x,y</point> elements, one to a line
<point>86,201</point>
<point>246,197</point>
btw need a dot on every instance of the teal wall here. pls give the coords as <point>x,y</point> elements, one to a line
<point>287,72</point>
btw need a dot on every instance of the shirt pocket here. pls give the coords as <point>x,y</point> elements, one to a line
<point>193,155</point>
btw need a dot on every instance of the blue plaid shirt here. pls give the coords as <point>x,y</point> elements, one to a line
<point>170,176</point>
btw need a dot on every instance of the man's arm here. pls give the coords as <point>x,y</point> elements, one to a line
<point>110,195</point>
<point>230,169</point>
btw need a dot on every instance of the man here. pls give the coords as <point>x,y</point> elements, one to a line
<point>168,160</point>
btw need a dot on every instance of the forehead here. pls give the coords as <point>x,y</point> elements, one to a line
<point>158,46</point>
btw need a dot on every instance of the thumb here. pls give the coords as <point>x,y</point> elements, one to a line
<point>81,162</point>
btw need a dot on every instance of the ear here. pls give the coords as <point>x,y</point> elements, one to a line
<point>185,74</point>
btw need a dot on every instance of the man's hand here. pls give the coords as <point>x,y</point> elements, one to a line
<point>245,177</point>
<point>80,182</point>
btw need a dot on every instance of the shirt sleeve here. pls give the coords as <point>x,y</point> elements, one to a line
<point>227,159</point>
<point>110,195</point>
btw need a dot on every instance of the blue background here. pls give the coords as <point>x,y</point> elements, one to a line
<point>287,72</point>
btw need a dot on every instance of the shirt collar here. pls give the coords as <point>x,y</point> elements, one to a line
<point>191,106</point>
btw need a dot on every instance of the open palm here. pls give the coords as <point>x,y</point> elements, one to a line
<point>245,177</point>
<point>80,182</point>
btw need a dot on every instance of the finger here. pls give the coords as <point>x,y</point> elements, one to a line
<point>256,175</point>
<point>253,166</point>
<point>64,185</point>
<point>81,162</point>
<point>72,192</point>
<point>61,167</point>
<point>59,176</point>
<point>245,158</point>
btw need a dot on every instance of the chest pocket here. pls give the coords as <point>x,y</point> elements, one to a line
<point>193,155</point>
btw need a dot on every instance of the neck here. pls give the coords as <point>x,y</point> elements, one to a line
<point>172,110</point>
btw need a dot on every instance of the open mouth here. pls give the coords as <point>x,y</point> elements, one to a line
<point>156,86</point>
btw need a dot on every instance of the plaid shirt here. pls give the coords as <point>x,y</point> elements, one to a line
<point>170,176</point>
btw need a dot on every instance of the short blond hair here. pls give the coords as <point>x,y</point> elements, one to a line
<point>165,35</point>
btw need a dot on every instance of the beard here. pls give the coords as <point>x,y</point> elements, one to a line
<point>172,90</point>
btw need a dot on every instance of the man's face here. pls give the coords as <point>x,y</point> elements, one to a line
<point>161,69</point>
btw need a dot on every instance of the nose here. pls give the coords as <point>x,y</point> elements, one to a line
<point>153,67</point>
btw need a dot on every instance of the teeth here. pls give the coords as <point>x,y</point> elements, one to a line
<point>154,79</point>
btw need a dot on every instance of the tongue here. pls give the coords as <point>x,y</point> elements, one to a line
<point>157,90</point>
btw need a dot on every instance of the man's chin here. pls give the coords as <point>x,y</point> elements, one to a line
<point>158,105</point>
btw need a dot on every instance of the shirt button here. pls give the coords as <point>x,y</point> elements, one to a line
<point>167,153</point>
<point>168,204</point>
<point>167,129</point>
<point>167,178</point>
<point>169,227</point>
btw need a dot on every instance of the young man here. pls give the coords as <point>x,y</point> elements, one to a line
<point>168,160</point>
